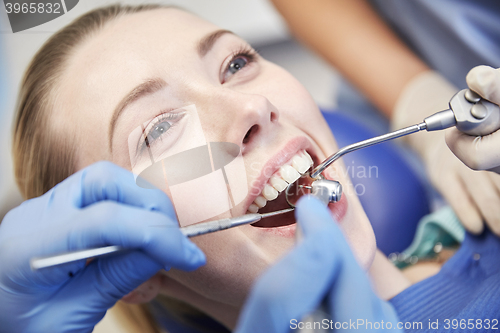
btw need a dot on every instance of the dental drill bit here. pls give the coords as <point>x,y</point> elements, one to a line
<point>189,231</point>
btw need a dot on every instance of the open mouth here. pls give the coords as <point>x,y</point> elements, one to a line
<point>273,196</point>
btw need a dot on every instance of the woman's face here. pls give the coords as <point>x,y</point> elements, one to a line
<point>238,98</point>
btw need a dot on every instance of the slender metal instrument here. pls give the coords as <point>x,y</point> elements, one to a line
<point>189,231</point>
<point>470,113</point>
<point>366,143</point>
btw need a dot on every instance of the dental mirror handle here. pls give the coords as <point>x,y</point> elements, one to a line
<point>474,115</point>
<point>189,231</point>
<point>366,143</point>
<point>470,113</point>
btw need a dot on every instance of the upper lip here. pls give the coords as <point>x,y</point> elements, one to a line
<point>291,148</point>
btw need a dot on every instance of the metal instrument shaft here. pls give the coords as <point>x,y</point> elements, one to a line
<point>189,231</point>
<point>367,143</point>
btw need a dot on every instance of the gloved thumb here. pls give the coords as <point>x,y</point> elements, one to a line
<point>485,80</point>
<point>477,152</point>
<point>312,215</point>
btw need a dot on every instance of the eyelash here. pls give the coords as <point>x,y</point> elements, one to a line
<point>246,52</point>
<point>147,132</point>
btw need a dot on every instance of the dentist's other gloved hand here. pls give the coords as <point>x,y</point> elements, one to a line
<point>321,266</point>
<point>473,195</point>
<point>98,206</point>
<point>479,153</point>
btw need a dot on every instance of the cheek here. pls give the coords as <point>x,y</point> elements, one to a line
<point>297,106</point>
<point>285,92</point>
<point>360,236</point>
<point>356,227</point>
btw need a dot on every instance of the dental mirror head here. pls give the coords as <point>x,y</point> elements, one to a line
<point>325,190</point>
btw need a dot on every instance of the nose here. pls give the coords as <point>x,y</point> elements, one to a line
<point>244,119</point>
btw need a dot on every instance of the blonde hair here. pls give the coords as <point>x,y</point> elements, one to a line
<point>43,157</point>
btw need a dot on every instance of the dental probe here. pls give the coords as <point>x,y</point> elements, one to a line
<point>470,113</point>
<point>188,231</point>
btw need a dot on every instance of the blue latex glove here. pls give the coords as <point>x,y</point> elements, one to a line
<point>98,206</point>
<point>321,266</point>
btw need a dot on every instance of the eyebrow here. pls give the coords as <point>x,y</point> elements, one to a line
<point>153,85</point>
<point>206,43</point>
<point>146,88</point>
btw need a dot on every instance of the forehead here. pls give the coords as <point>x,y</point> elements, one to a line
<point>135,38</point>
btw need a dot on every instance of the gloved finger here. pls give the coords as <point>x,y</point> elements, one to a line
<point>106,280</point>
<point>296,284</point>
<point>485,80</point>
<point>111,223</point>
<point>478,153</point>
<point>351,298</point>
<point>275,306</point>
<point>456,194</point>
<point>485,195</point>
<point>354,301</point>
<point>106,181</point>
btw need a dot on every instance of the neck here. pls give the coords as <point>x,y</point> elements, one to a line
<point>225,314</point>
<point>387,280</point>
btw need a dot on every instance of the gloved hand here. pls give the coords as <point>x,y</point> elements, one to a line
<point>321,266</point>
<point>479,153</point>
<point>98,206</point>
<point>473,195</point>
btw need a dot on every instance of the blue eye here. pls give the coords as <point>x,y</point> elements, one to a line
<point>158,130</point>
<point>237,64</point>
<point>239,60</point>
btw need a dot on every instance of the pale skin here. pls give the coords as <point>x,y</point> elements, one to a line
<point>164,44</point>
<point>351,36</point>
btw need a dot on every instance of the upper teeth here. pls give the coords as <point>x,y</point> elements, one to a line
<point>278,182</point>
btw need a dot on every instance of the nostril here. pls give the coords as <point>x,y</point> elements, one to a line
<point>273,116</point>
<point>250,132</point>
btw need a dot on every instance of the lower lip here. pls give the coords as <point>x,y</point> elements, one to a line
<point>338,209</point>
<point>287,231</point>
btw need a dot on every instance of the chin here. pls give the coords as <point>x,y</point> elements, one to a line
<point>349,212</point>
<point>356,226</point>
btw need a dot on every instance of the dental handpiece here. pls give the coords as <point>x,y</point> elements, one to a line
<point>188,231</point>
<point>470,113</point>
